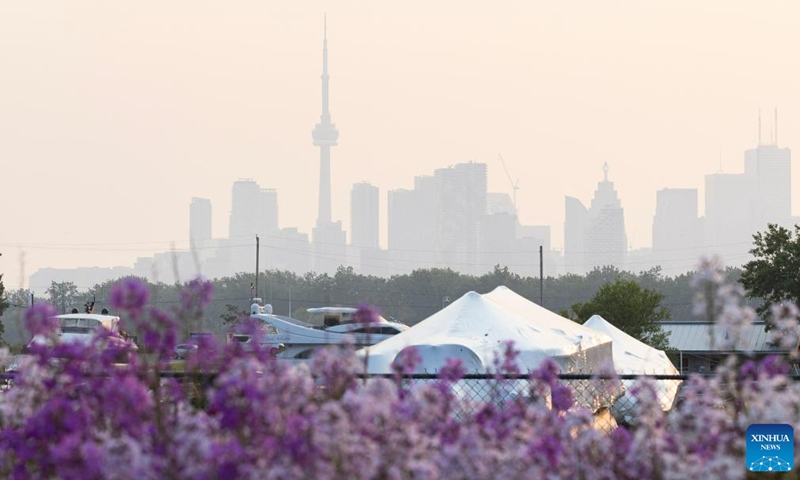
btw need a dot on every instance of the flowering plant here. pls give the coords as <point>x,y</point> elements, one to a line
<point>73,412</point>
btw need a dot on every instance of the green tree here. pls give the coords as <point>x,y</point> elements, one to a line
<point>3,299</point>
<point>233,315</point>
<point>13,329</point>
<point>64,296</point>
<point>631,308</point>
<point>3,304</point>
<point>774,275</point>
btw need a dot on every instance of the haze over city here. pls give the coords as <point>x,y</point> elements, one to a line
<point>113,116</point>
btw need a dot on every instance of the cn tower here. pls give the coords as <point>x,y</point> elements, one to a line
<point>325,136</point>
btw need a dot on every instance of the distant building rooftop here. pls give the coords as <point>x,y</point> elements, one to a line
<point>695,337</point>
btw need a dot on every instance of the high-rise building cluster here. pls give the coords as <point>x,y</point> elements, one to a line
<point>737,205</point>
<point>448,219</point>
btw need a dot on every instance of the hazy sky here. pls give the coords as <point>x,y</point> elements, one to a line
<point>114,114</point>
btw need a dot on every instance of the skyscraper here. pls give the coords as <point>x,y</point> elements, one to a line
<point>364,216</point>
<point>576,219</point>
<point>412,224</point>
<point>595,237</point>
<point>254,211</point>
<point>199,220</point>
<point>769,172</point>
<point>677,230</point>
<point>606,241</point>
<point>461,200</point>
<point>328,237</point>
<point>727,226</point>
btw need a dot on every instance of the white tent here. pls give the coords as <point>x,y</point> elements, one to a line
<point>590,349</point>
<point>475,328</point>
<point>634,357</point>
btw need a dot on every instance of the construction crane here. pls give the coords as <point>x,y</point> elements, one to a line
<point>514,185</point>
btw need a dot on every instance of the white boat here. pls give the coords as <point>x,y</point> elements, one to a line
<point>79,328</point>
<point>296,340</point>
<point>82,328</point>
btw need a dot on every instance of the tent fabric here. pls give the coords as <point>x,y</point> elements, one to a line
<point>475,329</point>
<point>591,349</point>
<point>634,357</point>
<point>630,355</point>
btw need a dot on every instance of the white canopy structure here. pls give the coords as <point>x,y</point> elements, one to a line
<point>476,327</point>
<point>634,357</point>
<point>588,348</point>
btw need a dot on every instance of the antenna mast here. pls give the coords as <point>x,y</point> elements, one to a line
<point>759,127</point>
<point>776,126</point>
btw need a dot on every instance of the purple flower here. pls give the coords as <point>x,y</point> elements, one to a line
<point>366,314</point>
<point>508,361</point>
<point>40,319</point>
<point>774,366</point>
<point>196,294</point>
<point>130,295</point>
<point>548,447</point>
<point>453,370</point>
<point>748,370</point>
<point>562,398</point>
<point>406,362</point>
<point>548,372</point>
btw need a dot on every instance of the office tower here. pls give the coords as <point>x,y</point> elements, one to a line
<point>328,237</point>
<point>254,211</point>
<point>461,201</point>
<point>677,230</point>
<point>498,235</point>
<point>769,176</point>
<point>412,224</point>
<point>270,211</point>
<point>727,223</point>
<point>294,251</point>
<point>595,237</point>
<point>576,220</point>
<point>364,216</point>
<point>606,242</point>
<point>401,221</point>
<point>498,242</point>
<point>199,220</point>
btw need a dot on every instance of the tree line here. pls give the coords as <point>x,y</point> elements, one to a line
<point>407,298</point>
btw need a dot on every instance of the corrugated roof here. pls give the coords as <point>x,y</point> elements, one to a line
<point>696,337</point>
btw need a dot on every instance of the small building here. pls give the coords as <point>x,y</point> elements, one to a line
<point>698,347</point>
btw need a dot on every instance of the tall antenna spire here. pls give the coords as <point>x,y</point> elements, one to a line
<point>325,136</point>
<point>325,111</point>
<point>720,159</point>
<point>759,127</point>
<point>605,171</point>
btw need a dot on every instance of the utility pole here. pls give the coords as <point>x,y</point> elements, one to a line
<point>257,252</point>
<point>541,276</point>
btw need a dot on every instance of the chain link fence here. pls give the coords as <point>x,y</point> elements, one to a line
<point>611,400</point>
